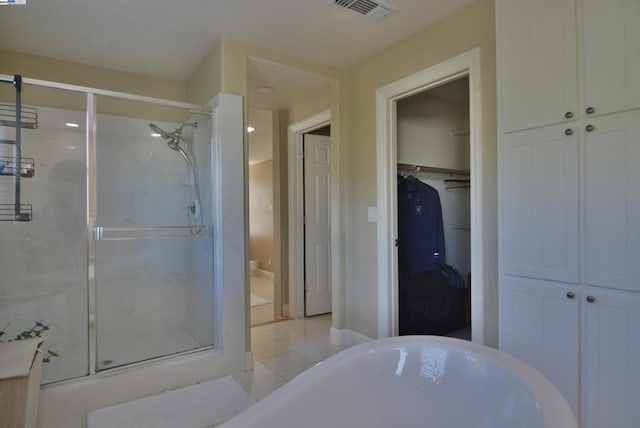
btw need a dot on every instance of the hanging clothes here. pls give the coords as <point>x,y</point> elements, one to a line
<point>420,227</point>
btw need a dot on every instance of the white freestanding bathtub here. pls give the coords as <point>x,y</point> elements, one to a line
<point>413,381</point>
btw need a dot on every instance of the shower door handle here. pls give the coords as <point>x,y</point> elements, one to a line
<point>158,232</point>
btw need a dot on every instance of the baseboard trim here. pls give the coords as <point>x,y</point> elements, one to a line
<point>346,337</point>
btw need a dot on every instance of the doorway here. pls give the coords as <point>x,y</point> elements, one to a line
<point>297,132</point>
<point>281,95</point>
<point>387,98</point>
<point>433,211</point>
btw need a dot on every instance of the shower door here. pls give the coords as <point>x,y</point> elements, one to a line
<point>153,244</point>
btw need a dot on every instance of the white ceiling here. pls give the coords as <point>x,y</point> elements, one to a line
<point>169,38</point>
<point>290,85</point>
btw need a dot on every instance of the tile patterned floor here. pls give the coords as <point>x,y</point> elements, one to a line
<point>283,350</point>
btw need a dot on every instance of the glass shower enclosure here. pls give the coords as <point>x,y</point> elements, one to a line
<point>117,256</point>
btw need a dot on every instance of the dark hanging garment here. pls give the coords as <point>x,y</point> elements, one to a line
<point>420,226</point>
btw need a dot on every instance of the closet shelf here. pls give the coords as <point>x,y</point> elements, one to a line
<point>423,168</point>
<point>459,133</point>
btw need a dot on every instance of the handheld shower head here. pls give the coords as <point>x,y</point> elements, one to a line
<point>174,139</point>
<point>162,132</point>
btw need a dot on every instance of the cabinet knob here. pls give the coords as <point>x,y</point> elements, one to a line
<point>589,128</point>
<point>591,299</point>
<point>568,131</point>
<point>590,110</point>
<point>568,115</point>
<point>570,294</point>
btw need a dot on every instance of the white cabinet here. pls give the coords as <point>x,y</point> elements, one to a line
<point>611,355</point>
<point>539,201</point>
<point>611,35</point>
<point>569,205</point>
<point>537,74</point>
<point>613,201</point>
<point>540,326</point>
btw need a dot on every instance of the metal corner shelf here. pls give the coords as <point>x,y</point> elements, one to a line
<point>18,117</point>
<point>28,117</point>
<point>9,165</point>
<point>8,212</point>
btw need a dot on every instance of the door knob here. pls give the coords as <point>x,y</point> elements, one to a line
<point>570,294</point>
<point>589,128</point>
<point>568,115</point>
<point>591,299</point>
<point>568,131</point>
<point>590,110</point>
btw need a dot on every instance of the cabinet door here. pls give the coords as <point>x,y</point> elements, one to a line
<point>539,204</point>
<point>537,62</point>
<point>611,35</point>
<point>539,325</point>
<point>611,355</point>
<point>613,201</point>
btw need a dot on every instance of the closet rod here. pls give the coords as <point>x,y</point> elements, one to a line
<point>422,168</point>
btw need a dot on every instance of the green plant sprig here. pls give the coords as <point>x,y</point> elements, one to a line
<point>38,328</point>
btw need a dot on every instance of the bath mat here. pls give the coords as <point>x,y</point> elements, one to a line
<point>257,300</point>
<point>205,404</point>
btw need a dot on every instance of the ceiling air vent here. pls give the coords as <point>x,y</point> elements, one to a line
<point>374,10</point>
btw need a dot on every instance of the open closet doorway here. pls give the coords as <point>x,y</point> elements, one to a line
<point>388,99</point>
<point>433,211</point>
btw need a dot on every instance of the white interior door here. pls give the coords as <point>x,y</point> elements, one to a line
<point>317,229</point>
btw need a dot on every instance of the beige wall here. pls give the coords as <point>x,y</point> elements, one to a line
<point>39,67</point>
<point>467,29</point>
<point>43,68</point>
<point>261,214</point>
<point>317,103</point>
<point>206,81</point>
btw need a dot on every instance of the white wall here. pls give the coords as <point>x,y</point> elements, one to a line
<point>425,125</point>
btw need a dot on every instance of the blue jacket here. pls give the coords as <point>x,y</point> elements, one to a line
<point>420,226</point>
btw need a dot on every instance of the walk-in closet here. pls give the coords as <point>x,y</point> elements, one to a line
<point>433,211</point>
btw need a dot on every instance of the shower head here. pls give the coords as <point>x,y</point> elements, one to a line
<point>162,132</point>
<point>174,139</point>
<point>177,134</point>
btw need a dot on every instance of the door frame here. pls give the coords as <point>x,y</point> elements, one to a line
<point>466,64</point>
<point>296,132</point>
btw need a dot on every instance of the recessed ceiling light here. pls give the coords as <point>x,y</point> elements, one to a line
<point>250,128</point>
<point>155,134</point>
<point>72,125</point>
<point>265,90</point>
